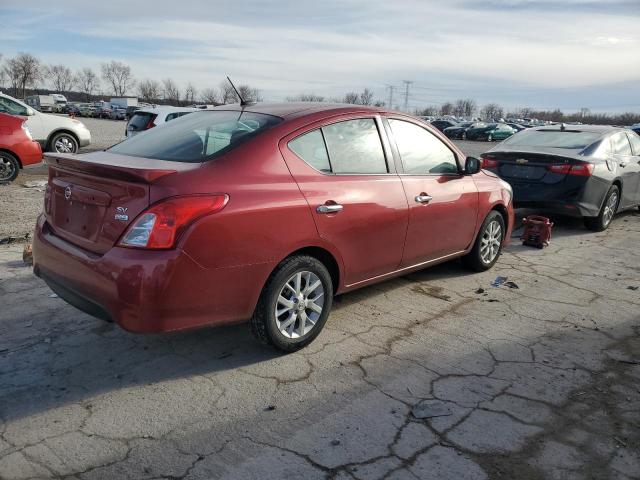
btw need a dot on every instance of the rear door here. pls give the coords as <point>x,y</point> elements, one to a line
<point>443,203</point>
<point>357,200</point>
<point>634,139</point>
<point>628,168</point>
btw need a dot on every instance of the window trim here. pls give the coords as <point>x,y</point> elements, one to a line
<point>611,142</point>
<point>629,137</point>
<point>396,150</point>
<point>384,143</point>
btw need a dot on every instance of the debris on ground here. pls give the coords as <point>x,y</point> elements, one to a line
<point>430,409</point>
<point>7,240</point>
<point>335,443</point>
<point>511,285</point>
<point>537,231</point>
<point>480,290</point>
<point>432,291</point>
<point>27,254</point>
<point>498,281</point>
<point>35,184</point>
<point>270,408</point>
<point>53,295</point>
<point>632,287</point>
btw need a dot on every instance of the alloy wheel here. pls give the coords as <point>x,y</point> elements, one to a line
<point>64,145</point>
<point>299,304</point>
<point>7,169</point>
<point>491,241</point>
<point>610,209</point>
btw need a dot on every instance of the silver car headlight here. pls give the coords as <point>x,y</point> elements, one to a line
<point>26,130</point>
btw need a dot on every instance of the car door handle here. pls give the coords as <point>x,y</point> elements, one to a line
<point>622,164</point>
<point>423,198</point>
<point>330,208</point>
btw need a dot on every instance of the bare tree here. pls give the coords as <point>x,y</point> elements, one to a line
<point>351,97</point>
<point>366,97</point>
<point>209,96</point>
<point>464,107</point>
<point>87,81</point>
<point>249,94</point>
<point>60,77</point>
<point>306,97</point>
<point>190,93</point>
<point>118,76</point>
<point>171,93</point>
<point>427,112</point>
<point>492,111</point>
<point>227,93</point>
<point>446,108</point>
<point>149,90</point>
<point>24,70</point>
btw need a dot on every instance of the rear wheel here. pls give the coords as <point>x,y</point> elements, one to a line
<point>608,210</point>
<point>294,304</point>
<point>488,246</point>
<point>464,135</point>
<point>489,138</point>
<point>9,167</point>
<point>64,143</point>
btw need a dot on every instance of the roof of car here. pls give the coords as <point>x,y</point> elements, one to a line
<point>289,109</point>
<point>579,128</point>
<point>166,109</point>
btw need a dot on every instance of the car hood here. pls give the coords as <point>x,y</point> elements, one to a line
<point>57,121</point>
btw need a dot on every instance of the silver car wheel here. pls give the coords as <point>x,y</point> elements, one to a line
<point>7,169</point>
<point>299,304</point>
<point>64,145</point>
<point>491,241</point>
<point>610,209</point>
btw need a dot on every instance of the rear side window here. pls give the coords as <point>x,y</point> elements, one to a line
<point>310,148</point>
<point>421,152</point>
<point>198,136</point>
<point>11,107</point>
<point>634,138</point>
<point>352,146</point>
<point>171,116</point>
<point>620,144</point>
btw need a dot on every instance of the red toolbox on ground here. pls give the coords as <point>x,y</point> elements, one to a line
<point>537,231</point>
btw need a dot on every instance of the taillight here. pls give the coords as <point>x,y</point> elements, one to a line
<point>160,226</point>
<point>580,169</point>
<point>489,162</point>
<point>150,122</point>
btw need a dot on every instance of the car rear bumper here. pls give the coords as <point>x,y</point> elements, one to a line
<point>30,153</point>
<point>146,291</point>
<point>84,137</point>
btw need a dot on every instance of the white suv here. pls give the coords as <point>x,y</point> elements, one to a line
<point>147,118</point>
<point>54,133</point>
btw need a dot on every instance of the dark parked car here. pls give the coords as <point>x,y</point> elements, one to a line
<point>261,212</point>
<point>130,111</point>
<point>459,131</point>
<point>517,127</point>
<point>635,128</point>
<point>589,171</point>
<point>442,124</point>
<point>489,132</point>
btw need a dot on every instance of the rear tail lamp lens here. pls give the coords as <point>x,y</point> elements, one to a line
<point>489,162</point>
<point>161,225</point>
<point>580,169</point>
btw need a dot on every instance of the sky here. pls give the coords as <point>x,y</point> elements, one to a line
<point>567,54</point>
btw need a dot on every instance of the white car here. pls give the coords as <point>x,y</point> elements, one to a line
<point>54,133</point>
<point>146,118</point>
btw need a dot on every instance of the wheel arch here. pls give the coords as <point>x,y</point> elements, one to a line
<point>61,130</point>
<point>326,258</point>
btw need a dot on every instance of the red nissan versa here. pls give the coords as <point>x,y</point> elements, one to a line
<point>261,212</point>
<point>17,148</point>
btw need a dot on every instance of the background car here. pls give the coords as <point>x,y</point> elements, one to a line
<point>146,118</point>
<point>458,131</point>
<point>589,171</point>
<point>118,113</point>
<point>130,111</point>
<point>516,126</point>
<point>17,148</point>
<point>635,128</point>
<point>55,133</point>
<point>489,132</point>
<point>442,124</point>
<point>269,209</point>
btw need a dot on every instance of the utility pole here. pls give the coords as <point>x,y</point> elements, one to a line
<point>391,89</point>
<point>406,94</point>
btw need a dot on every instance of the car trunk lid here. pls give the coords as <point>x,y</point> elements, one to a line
<point>530,167</point>
<point>91,199</point>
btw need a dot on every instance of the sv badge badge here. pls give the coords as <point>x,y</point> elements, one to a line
<point>121,214</point>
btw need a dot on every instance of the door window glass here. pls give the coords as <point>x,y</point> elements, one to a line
<point>11,107</point>
<point>634,138</point>
<point>354,147</point>
<point>421,152</point>
<point>620,144</point>
<point>310,147</point>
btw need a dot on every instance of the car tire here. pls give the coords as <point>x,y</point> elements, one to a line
<point>489,138</point>
<point>63,143</point>
<point>488,245</point>
<point>463,136</point>
<point>284,292</point>
<point>607,212</point>
<point>9,167</point>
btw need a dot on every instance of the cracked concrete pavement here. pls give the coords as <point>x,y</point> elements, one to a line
<point>435,375</point>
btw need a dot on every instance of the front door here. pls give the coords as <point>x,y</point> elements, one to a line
<point>627,167</point>
<point>443,203</point>
<point>356,199</point>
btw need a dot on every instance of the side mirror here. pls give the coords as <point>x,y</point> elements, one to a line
<point>471,166</point>
<point>30,112</point>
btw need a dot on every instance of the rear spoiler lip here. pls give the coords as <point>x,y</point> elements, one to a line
<point>146,172</point>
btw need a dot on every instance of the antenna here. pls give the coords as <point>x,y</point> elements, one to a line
<point>242,102</point>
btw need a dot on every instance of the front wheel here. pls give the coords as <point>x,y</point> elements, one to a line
<point>488,246</point>
<point>64,143</point>
<point>294,304</point>
<point>489,138</point>
<point>608,210</point>
<point>463,136</point>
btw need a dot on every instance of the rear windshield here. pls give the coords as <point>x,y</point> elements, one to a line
<point>570,139</point>
<point>196,137</point>
<point>140,120</point>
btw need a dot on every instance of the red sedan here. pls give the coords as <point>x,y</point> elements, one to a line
<point>262,212</point>
<point>17,148</point>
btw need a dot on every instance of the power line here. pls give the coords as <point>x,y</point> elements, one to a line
<point>406,93</point>
<point>391,88</point>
